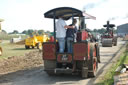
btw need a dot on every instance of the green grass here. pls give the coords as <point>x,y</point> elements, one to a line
<point>13,49</point>
<point>108,78</point>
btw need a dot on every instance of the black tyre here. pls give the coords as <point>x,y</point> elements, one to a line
<point>27,47</point>
<point>84,72</point>
<point>49,66</point>
<point>115,43</point>
<point>81,65</point>
<point>32,47</point>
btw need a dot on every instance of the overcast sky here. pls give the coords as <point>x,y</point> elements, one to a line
<point>28,14</point>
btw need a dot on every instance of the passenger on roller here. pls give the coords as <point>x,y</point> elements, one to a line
<point>61,33</point>
<point>71,36</point>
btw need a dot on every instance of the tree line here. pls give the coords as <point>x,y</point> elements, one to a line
<point>102,30</point>
<point>31,31</point>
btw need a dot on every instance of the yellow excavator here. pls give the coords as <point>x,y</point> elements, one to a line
<point>36,41</point>
<point>0,40</point>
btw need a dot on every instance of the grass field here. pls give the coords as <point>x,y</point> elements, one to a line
<point>13,49</point>
<point>108,78</point>
<point>4,36</point>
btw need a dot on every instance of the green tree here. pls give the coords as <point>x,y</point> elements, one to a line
<point>4,31</point>
<point>40,32</point>
<point>102,30</point>
<point>25,32</point>
<point>95,30</point>
<point>30,32</point>
<point>114,30</point>
<point>48,33</point>
<point>15,32</point>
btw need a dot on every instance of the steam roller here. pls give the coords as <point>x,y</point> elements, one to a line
<point>84,58</point>
<point>108,38</point>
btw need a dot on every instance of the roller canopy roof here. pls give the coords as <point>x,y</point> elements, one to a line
<point>110,25</point>
<point>67,13</point>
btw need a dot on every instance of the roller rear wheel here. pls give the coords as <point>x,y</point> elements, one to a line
<point>92,63</point>
<point>49,66</point>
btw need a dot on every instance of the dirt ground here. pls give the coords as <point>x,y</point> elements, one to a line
<point>15,63</point>
<point>28,70</point>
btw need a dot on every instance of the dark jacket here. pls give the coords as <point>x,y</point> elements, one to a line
<point>71,32</point>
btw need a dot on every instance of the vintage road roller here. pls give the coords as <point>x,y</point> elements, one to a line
<point>85,56</point>
<point>108,38</point>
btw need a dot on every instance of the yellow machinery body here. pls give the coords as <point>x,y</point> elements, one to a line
<point>36,41</point>
<point>42,38</point>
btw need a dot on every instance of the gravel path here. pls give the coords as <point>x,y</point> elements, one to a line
<point>32,70</point>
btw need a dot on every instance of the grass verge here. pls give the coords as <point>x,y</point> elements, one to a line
<point>13,49</point>
<point>108,78</point>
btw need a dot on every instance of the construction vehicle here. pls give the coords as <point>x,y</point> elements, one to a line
<point>85,56</point>
<point>0,40</point>
<point>36,41</point>
<point>108,38</point>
